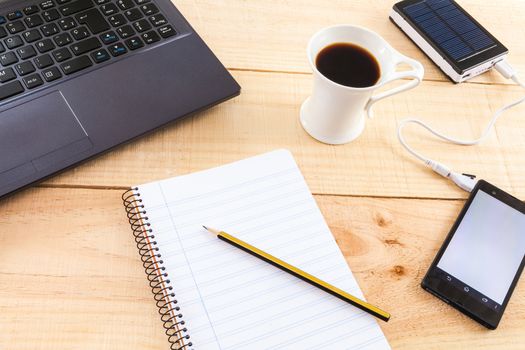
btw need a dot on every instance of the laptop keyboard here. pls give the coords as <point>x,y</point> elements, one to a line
<point>53,39</point>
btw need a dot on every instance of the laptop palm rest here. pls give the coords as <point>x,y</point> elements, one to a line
<point>49,130</point>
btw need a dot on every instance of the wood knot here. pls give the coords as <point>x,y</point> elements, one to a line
<point>350,243</point>
<point>382,220</point>
<point>393,241</point>
<point>398,270</point>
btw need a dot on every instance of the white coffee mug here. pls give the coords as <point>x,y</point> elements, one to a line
<point>335,113</point>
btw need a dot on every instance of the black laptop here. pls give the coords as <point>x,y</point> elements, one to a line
<point>78,77</point>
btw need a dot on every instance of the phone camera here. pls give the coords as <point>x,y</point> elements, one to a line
<point>493,193</point>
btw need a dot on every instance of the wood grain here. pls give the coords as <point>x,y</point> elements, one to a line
<point>266,117</point>
<point>70,276</point>
<point>272,35</point>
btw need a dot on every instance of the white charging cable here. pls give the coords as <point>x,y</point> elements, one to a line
<point>465,181</point>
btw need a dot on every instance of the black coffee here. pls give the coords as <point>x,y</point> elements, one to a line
<point>348,64</point>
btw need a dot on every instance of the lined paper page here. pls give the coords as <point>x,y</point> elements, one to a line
<point>232,300</point>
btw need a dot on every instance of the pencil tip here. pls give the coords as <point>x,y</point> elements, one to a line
<point>210,229</point>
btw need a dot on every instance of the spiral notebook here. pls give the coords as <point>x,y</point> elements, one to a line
<point>213,296</point>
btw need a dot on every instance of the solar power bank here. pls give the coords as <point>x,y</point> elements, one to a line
<point>449,36</point>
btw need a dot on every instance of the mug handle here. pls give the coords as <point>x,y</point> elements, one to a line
<point>416,73</point>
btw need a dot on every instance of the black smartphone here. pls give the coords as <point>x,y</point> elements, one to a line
<point>450,36</point>
<point>483,256</point>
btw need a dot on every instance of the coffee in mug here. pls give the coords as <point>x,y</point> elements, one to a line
<point>348,64</point>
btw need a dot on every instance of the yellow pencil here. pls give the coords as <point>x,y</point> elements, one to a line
<point>305,276</point>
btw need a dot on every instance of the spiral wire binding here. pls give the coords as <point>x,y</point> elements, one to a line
<point>153,265</point>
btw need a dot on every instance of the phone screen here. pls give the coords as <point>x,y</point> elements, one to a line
<point>487,248</point>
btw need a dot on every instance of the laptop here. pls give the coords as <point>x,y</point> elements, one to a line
<point>78,77</point>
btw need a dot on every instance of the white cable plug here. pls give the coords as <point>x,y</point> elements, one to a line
<point>465,181</point>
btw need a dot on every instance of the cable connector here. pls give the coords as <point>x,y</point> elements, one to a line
<point>464,181</point>
<point>439,168</point>
<point>505,69</point>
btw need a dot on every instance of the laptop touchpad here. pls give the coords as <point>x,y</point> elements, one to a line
<point>40,132</point>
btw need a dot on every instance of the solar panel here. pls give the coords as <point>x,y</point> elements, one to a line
<point>450,28</point>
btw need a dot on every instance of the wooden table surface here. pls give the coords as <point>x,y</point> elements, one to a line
<point>70,275</point>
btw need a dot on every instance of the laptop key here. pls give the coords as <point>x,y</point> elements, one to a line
<point>75,6</point>
<point>109,9</point>
<point>133,14</point>
<point>166,31</point>
<point>125,31</point>
<point>149,9</point>
<point>62,54</point>
<point>2,48</point>
<point>117,20</point>
<point>80,33</point>
<point>85,45</point>
<point>142,26</point>
<point>33,21</point>
<point>47,4</point>
<point>158,20</point>
<point>29,10</point>
<point>108,38</point>
<point>134,43</point>
<point>67,23</point>
<point>14,15</point>
<point>51,74</point>
<point>32,35</point>
<point>15,27</point>
<point>100,56</point>
<point>13,42</point>
<point>45,45</point>
<point>50,15</point>
<point>3,32</point>
<point>76,65</point>
<point>7,74</point>
<point>32,81</point>
<point>8,58</point>
<point>125,4</point>
<point>150,37</point>
<point>117,49</point>
<point>94,20</point>
<point>140,2</point>
<point>50,29</point>
<point>43,61</point>
<point>63,39</point>
<point>26,52</point>
<point>10,89</point>
<point>25,68</point>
